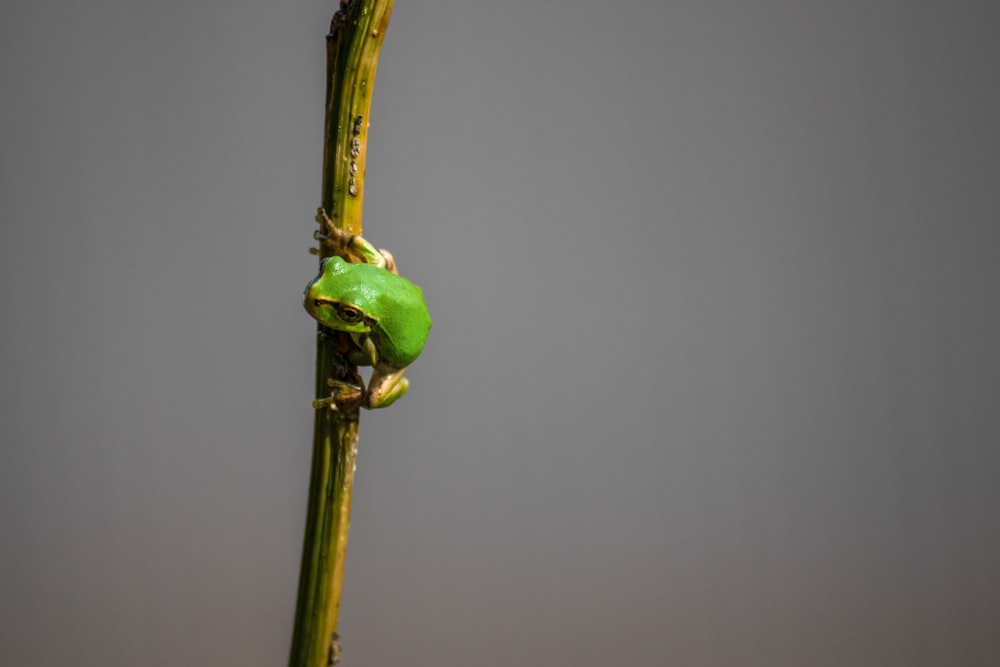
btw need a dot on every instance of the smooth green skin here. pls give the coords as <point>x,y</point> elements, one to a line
<point>385,315</point>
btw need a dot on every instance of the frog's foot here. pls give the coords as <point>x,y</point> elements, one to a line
<point>343,396</point>
<point>335,241</point>
<point>351,247</point>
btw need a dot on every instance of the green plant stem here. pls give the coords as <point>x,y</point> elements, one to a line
<point>353,45</point>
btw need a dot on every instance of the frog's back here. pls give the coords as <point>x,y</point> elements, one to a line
<point>402,319</point>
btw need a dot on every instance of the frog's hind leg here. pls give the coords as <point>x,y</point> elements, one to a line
<point>350,247</point>
<point>390,261</point>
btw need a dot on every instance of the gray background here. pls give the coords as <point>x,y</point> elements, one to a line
<point>714,371</point>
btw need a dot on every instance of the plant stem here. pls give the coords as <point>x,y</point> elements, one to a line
<point>353,45</point>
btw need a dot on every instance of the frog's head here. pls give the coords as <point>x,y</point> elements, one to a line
<point>336,298</point>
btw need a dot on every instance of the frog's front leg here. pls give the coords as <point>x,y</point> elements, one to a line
<point>386,383</point>
<point>351,246</point>
<point>343,396</point>
<point>385,387</point>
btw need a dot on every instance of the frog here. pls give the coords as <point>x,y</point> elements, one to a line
<point>359,291</point>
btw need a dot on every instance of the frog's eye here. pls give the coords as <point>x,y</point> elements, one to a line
<point>349,313</point>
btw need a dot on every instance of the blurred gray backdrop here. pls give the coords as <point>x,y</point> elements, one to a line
<point>714,373</point>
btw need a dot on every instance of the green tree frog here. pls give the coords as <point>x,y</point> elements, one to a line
<point>383,312</point>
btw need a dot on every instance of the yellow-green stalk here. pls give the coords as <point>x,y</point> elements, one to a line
<point>353,45</point>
